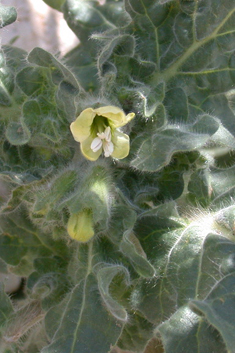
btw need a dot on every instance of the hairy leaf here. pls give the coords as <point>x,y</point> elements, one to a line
<point>85,317</point>
<point>8,15</point>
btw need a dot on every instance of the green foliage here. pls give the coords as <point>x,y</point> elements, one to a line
<point>8,15</point>
<point>55,4</point>
<point>161,265</point>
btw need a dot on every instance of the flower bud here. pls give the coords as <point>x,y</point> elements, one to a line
<point>80,226</point>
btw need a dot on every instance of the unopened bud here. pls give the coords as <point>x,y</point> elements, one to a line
<point>80,226</point>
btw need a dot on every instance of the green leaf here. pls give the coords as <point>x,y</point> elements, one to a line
<point>198,250</point>
<point>146,15</point>
<point>148,100</point>
<point>185,332</point>
<point>49,282</point>
<point>11,249</point>
<point>55,4</point>
<point>89,17</point>
<point>135,334</point>
<point>31,80</point>
<point>60,187</point>
<point>15,58</point>
<point>83,66</point>
<point>85,19</point>
<point>20,238</point>
<point>17,133</point>
<point>218,308</point>
<point>31,112</point>
<point>176,104</point>
<point>120,45</point>
<point>53,317</point>
<point>199,187</point>
<point>8,15</point>
<point>122,219</point>
<point>3,267</point>
<point>12,60</point>
<point>121,232</point>
<point>50,288</point>
<point>42,58</point>
<point>222,183</point>
<point>6,84</point>
<point>4,97</point>
<point>131,247</point>
<point>51,76</point>
<point>156,151</point>
<point>82,324</point>
<point>22,320</point>
<point>105,276</point>
<point>225,219</point>
<point>173,331</point>
<point>6,308</point>
<point>65,99</point>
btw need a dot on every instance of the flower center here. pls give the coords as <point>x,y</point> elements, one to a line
<point>99,125</point>
<point>103,141</point>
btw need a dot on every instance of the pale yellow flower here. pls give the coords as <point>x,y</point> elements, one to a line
<point>97,131</point>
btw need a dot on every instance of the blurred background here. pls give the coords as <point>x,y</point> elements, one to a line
<point>38,25</point>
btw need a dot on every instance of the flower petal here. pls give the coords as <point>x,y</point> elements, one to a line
<point>80,128</point>
<point>121,145</point>
<point>87,151</point>
<point>129,117</point>
<point>115,115</point>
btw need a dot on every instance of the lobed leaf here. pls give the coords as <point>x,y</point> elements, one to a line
<point>21,239</point>
<point>184,330</point>
<point>85,317</point>
<point>91,17</point>
<point>105,276</point>
<point>218,309</point>
<point>156,150</point>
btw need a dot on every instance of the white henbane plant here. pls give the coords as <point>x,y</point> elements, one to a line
<point>125,236</point>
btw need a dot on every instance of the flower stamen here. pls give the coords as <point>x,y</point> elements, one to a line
<point>103,141</point>
<point>96,144</point>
